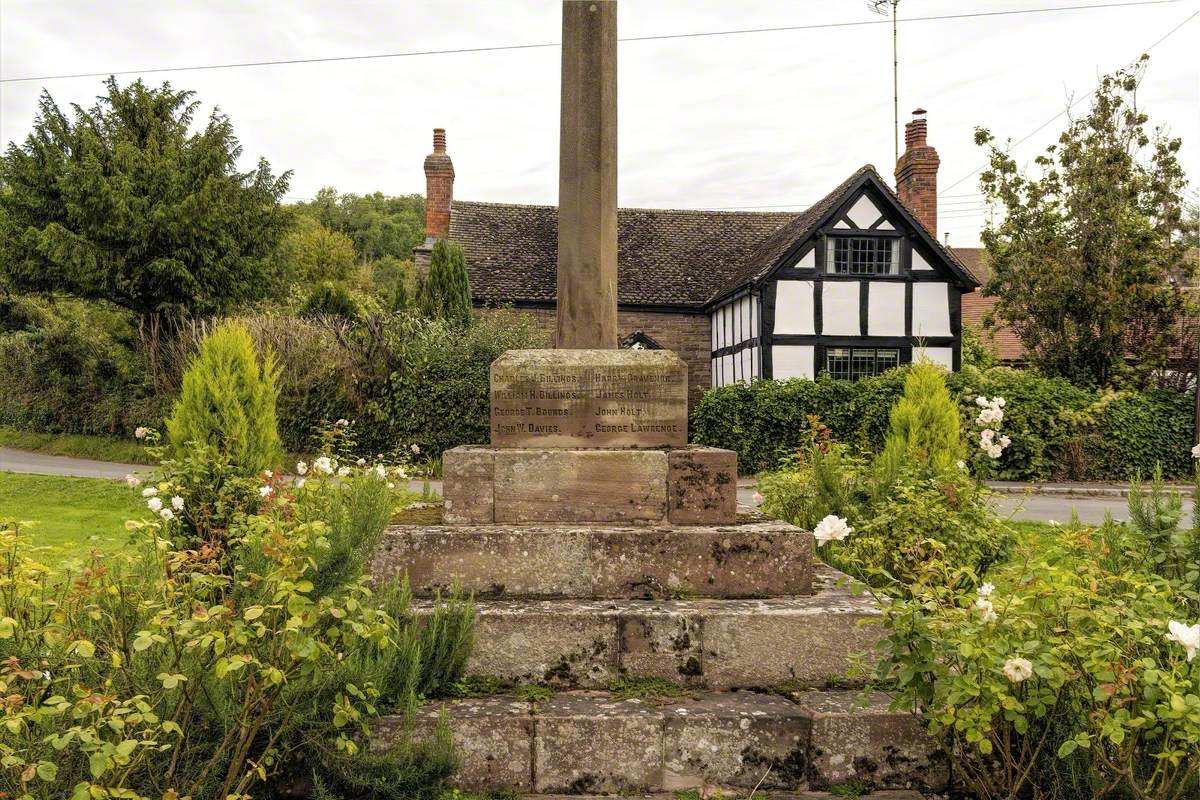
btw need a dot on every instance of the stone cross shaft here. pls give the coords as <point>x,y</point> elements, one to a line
<point>587,180</point>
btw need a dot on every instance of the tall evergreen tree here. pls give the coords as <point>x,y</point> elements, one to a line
<point>124,202</point>
<point>445,293</point>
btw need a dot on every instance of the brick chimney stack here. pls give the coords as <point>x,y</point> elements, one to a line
<point>439,189</point>
<point>916,173</point>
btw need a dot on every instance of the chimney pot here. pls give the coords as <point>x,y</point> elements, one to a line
<point>439,140</point>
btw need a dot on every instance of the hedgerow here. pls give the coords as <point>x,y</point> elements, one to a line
<point>1058,430</point>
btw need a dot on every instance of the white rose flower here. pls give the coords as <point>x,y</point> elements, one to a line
<point>265,491</point>
<point>988,610</point>
<point>962,465</point>
<point>323,465</point>
<point>167,514</point>
<point>1005,441</point>
<point>981,401</point>
<point>301,468</point>
<point>1017,669</point>
<point>344,471</point>
<point>1186,635</point>
<point>362,462</point>
<point>1196,451</point>
<point>177,503</point>
<point>832,528</point>
<point>267,473</point>
<point>985,590</point>
<point>142,432</point>
<point>343,423</point>
<point>391,485</point>
<point>133,480</point>
<point>998,401</point>
<point>381,470</point>
<point>149,491</point>
<point>986,436</point>
<point>1053,522</point>
<point>416,449</point>
<point>299,483</point>
<point>154,504</point>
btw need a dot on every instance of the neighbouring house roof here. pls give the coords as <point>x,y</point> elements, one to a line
<point>665,257</point>
<point>1003,341</point>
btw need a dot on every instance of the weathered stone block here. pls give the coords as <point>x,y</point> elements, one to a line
<point>758,559</point>
<point>580,486</point>
<point>734,739</point>
<point>873,744</point>
<point>701,486</point>
<point>493,739</point>
<point>808,641</point>
<point>587,743</point>
<point>563,643</point>
<point>467,481</point>
<point>662,642</point>
<point>589,398</point>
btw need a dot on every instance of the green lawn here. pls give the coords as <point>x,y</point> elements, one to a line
<point>100,448</point>
<point>71,516</point>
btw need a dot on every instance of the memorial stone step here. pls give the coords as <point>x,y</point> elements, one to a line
<point>808,640</point>
<point>756,558</point>
<point>577,743</point>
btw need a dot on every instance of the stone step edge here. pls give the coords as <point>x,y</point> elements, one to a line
<point>807,640</point>
<point>595,742</point>
<point>535,561</point>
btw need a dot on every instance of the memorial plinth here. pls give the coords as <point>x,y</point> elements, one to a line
<point>589,436</point>
<point>589,399</point>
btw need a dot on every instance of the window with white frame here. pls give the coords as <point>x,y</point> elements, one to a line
<point>862,255</point>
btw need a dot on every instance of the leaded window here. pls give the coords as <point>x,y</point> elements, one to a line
<point>852,363</point>
<point>862,255</point>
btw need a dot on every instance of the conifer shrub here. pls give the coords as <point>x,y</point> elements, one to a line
<point>445,293</point>
<point>924,434</point>
<point>330,299</point>
<point>228,402</point>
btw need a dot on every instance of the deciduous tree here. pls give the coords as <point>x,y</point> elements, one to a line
<point>1082,251</point>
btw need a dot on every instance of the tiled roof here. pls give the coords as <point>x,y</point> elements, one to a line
<point>664,257</point>
<point>1002,342</point>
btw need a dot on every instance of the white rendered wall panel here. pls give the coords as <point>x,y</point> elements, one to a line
<point>808,260</point>
<point>938,355</point>
<point>885,309</point>
<point>931,309</point>
<point>839,308</point>
<point>794,307</point>
<point>792,361</point>
<point>863,213</point>
<point>918,261</point>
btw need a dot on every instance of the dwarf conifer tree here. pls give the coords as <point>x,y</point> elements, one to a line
<point>445,293</point>
<point>924,433</point>
<point>228,402</point>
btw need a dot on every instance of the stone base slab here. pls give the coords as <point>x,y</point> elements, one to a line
<point>718,644</point>
<point>757,559</point>
<point>871,744</point>
<point>686,486</point>
<point>582,743</point>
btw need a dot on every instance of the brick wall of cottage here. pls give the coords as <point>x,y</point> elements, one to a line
<point>685,334</point>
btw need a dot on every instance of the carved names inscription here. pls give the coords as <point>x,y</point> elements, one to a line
<point>589,398</point>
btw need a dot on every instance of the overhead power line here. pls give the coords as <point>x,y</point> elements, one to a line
<point>539,45</point>
<point>1073,103</point>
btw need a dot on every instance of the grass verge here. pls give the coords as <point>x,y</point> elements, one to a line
<point>99,448</point>
<point>69,517</point>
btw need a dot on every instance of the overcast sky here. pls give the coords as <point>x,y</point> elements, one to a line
<point>757,119</point>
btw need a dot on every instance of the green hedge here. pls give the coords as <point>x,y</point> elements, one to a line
<point>1058,430</point>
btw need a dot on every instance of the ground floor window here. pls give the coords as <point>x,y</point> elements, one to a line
<point>852,363</point>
